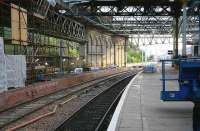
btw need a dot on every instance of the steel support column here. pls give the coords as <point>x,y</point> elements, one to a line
<point>125,51</point>
<point>114,51</point>
<point>184,26</point>
<point>142,56</point>
<point>176,31</point>
<point>110,52</point>
<point>198,46</point>
<point>61,57</point>
<point>96,53</point>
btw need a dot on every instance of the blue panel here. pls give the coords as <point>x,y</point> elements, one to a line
<point>175,96</point>
<point>149,68</point>
<point>189,82</point>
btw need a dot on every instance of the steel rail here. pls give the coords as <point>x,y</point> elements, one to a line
<point>67,122</point>
<point>49,99</point>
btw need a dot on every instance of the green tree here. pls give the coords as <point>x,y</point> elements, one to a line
<point>134,55</point>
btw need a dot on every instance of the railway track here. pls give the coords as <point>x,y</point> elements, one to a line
<point>18,112</point>
<point>96,114</point>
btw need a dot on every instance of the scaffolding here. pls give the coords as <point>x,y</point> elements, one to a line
<point>50,40</point>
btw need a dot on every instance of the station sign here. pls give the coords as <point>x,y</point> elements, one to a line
<point>170,52</point>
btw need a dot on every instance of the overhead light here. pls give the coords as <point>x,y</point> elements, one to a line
<point>62,11</point>
<point>37,60</point>
<point>195,9</point>
<point>75,1</point>
<point>64,60</point>
<point>46,63</point>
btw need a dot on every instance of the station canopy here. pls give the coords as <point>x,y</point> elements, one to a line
<point>127,17</point>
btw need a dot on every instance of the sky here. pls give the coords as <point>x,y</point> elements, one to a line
<point>159,46</point>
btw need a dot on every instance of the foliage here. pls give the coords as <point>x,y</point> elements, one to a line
<point>134,55</point>
<point>73,52</point>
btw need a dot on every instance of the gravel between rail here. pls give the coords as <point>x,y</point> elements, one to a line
<point>66,110</point>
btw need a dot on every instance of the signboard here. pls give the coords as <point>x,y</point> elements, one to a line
<point>170,52</point>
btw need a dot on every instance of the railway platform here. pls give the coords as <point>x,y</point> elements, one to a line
<point>140,107</point>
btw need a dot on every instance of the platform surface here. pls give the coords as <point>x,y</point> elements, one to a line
<point>142,109</point>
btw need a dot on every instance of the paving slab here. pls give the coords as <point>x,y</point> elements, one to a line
<point>142,110</point>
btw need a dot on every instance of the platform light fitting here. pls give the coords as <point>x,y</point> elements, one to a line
<point>62,11</point>
<point>186,9</point>
<point>37,60</point>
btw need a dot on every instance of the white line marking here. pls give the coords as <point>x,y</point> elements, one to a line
<point>115,119</point>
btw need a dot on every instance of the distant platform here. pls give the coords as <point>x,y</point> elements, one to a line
<point>140,107</point>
